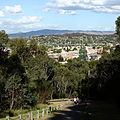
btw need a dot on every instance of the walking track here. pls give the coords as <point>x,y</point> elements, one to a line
<point>72,112</point>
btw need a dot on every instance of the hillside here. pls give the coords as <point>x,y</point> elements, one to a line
<point>51,32</point>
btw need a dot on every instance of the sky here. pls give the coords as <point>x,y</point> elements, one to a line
<point>30,15</point>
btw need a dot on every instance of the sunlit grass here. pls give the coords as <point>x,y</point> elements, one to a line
<point>24,112</point>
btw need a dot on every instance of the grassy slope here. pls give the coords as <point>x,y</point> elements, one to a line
<point>52,103</point>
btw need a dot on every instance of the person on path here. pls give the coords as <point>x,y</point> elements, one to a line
<point>75,101</point>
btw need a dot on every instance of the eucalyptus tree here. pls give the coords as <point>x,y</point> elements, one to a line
<point>3,65</point>
<point>40,73</point>
<point>118,27</point>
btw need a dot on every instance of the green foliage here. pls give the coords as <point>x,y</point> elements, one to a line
<point>118,27</point>
<point>40,73</point>
<point>28,76</point>
<point>65,81</point>
<point>57,51</point>
<point>3,66</point>
<point>3,38</point>
<point>18,44</point>
<point>109,74</point>
<point>82,53</point>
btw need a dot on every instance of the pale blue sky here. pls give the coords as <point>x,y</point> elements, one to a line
<point>27,15</point>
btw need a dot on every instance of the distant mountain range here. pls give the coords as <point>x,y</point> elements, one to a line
<point>52,32</point>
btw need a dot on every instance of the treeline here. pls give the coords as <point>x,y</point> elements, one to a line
<point>29,77</point>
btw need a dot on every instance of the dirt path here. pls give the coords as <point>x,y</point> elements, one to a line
<point>72,112</point>
<point>92,110</point>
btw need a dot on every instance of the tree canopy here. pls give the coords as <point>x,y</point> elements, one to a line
<point>28,76</point>
<point>118,27</point>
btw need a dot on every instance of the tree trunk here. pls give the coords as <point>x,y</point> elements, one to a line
<point>42,97</point>
<point>51,96</point>
<point>12,101</point>
<point>69,94</point>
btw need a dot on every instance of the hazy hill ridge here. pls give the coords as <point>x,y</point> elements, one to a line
<point>50,32</point>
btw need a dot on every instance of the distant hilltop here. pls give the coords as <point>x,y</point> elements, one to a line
<point>53,32</point>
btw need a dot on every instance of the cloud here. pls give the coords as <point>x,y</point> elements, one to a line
<point>46,9</point>
<point>116,7</point>
<point>99,28</point>
<point>28,19</point>
<point>61,11</point>
<point>106,6</point>
<point>25,23</point>
<point>1,14</point>
<point>72,13</point>
<point>21,22</point>
<point>13,9</point>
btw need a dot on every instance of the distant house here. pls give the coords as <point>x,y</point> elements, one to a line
<point>7,49</point>
<point>66,55</point>
<point>94,53</point>
<point>94,56</point>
